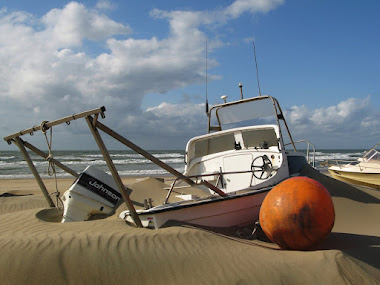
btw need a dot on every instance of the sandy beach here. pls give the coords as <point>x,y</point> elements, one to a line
<point>37,249</point>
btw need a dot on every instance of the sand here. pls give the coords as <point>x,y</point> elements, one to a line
<point>37,249</point>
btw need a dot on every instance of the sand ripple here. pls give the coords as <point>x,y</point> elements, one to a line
<point>37,249</point>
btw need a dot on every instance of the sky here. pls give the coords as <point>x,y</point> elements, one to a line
<point>145,61</point>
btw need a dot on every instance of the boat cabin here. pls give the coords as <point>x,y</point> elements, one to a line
<point>244,147</point>
<point>234,154</point>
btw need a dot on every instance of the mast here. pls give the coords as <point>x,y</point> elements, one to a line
<point>257,70</point>
<point>206,81</point>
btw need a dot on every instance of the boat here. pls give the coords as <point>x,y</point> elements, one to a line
<point>247,150</point>
<point>240,159</point>
<point>365,171</point>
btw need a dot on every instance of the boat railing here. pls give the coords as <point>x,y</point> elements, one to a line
<point>200,181</point>
<point>310,157</point>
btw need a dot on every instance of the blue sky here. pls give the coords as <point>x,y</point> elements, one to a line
<point>145,61</point>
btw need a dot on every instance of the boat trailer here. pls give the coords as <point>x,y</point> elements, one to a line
<point>92,118</point>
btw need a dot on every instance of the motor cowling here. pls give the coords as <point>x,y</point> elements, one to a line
<point>93,192</point>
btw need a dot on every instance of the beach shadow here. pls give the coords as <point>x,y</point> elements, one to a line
<point>338,188</point>
<point>6,194</point>
<point>362,247</point>
<point>242,234</point>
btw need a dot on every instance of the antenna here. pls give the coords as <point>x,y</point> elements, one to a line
<point>257,70</point>
<point>206,80</point>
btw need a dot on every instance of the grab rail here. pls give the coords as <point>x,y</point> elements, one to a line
<point>312,162</point>
<point>208,184</point>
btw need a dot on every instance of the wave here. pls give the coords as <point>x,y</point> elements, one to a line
<point>134,155</point>
<point>7,157</point>
<point>128,163</point>
<point>321,156</point>
<point>147,172</point>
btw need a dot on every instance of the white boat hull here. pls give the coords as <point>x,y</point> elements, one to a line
<point>365,171</point>
<point>358,178</point>
<point>234,210</point>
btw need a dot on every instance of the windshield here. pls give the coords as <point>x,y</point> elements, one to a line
<point>373,155</point>
<point>246,112</point>
<point>258,111</point>
<point>262,110</point>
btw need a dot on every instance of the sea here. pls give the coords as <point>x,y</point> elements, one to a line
<point>128,163</point>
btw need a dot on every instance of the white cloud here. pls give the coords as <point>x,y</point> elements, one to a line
<point>177,119</point>
<point>47,71</point>
<point>71,25</point>
<point>331,118</point>
<point>38,64</point>
<point>105,5</point>
<point>42,58</point>
<point>239,7</point>
<point>351,123</point>
<point>347,124</point>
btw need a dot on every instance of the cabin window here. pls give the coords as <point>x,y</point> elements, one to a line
<point>214,145</point>
<point>225,142</point>
<point>255,138</point>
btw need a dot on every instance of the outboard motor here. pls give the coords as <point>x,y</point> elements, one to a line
<point>93,192</point>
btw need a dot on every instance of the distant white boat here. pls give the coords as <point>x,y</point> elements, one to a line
<point>365,171</point>
<point>236,163</point>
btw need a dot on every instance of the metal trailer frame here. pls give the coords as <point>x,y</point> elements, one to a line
<point>91,117</point>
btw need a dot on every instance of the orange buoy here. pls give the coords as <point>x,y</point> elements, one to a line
<point>297,214</point>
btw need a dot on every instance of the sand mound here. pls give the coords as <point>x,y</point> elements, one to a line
<point>37,249</point>
<point>110,252</point>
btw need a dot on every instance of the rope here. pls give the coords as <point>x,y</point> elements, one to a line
<point>51,167</point>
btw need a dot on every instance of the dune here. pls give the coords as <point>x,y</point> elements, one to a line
<point>37,249</point>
